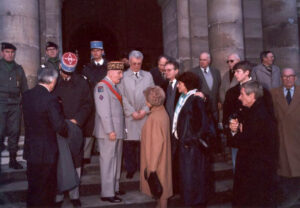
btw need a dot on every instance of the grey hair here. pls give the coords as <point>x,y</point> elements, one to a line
<point>285,69</point>
<point>235,56</point>
<point>253,87</point>
<point>136,54</point>
<point>155,95</point>
<point>46,75</point>
<point>208,54</point>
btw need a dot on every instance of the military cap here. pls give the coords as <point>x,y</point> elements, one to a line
<point>68,62</point>
<point>115,65</point>
<point>51,44</point>
<point>5,45</point>
<point>96,44</point>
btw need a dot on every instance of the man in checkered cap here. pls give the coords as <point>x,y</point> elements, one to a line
<point>76,99</point>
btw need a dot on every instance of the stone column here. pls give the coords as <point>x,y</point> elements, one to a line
<point>50,24</point>
<point>225,30</point>
<point>280,31</point>
<point>19,23</point>
<point>176,31</point>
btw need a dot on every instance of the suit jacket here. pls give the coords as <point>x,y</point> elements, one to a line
<point>213,95</point>
<point>109,112</point>
<point>288,118</point>
<point>132,89</point>
<point>226,85</point>
<point>157,77</point>
<point>43,118</point>
<point>176,98</point>
<point>267,79</point>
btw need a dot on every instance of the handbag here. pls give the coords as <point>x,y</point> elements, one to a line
<point>154,184</point>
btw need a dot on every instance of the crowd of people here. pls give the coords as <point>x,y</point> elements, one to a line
<point>163,123</point>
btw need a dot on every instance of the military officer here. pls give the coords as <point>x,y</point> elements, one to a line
<point>109,130</point>
<point>13,83</point>
<point>52,55</point>
<point>94,71</point>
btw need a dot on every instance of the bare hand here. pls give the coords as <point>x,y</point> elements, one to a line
<point>112,136</point>
<point>135,115</point>
<point>234,125</point>
<point>241,127</point>
<point>142,114</point>
<point>73,121</point>
<point>200,94</point>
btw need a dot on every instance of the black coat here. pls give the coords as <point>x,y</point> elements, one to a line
<point>194,165</point>
<point>43,118</point>
<point>158,78</point>
<point>94,74</point>
<point>256,159</point>
<point>75,97</point>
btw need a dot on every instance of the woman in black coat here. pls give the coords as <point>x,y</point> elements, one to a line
<point>190,123</point>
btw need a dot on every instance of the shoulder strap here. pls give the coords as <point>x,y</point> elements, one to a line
<point>112,90</point>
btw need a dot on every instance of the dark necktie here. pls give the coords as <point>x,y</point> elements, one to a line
<point>288,96</point>
<point>136,74</point>
<point>170,88</point>
<point>205,70</point>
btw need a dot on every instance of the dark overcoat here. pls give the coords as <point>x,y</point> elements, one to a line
<point>254,180</point>
<point>194,165</point>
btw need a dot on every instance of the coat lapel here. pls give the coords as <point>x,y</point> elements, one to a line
<point>295,100</point>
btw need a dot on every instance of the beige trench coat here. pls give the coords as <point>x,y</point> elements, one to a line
<point>288,118</point>
<point>156,151</point>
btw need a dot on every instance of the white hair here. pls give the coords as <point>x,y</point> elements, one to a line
<point>46,75</point>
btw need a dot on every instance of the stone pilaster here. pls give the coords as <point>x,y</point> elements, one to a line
<point>19,23</point>
<point>280,31</point>
<point>225,31</point>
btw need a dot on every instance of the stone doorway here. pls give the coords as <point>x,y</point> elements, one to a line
<point>122,26</point>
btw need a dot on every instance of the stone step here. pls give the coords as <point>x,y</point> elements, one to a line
<point>15,191</point>
<point>132,199</point>
<point>221,170</point>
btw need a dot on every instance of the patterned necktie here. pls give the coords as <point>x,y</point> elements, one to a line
<point>288,96</point>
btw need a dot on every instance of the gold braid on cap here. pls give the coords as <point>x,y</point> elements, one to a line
<point>115,65</point>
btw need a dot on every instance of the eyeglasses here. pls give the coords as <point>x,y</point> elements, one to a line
<point>231,61</point>
<point>288,77</point>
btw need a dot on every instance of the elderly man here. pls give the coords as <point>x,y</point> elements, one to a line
<point>109,130</point>
<point>210,81</point>
<point>134,82</point>
<point>13,84</point>
<point>286,101</point>
<point>94,71</point>
<point>43,119</point>
<point>255,137</point>
<point>266,73</point>
<point>158,73</point>
<point>76,99</point>
<point>228,79</point>
<point>52,55</point>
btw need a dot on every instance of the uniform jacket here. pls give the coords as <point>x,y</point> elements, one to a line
<point>226,85</point>
<point>53,63</point>
<point>76,98</point>
<point>13,83</point>
<point>109,112</point>
<point>267,79</point>
<point>157,77</point>
<point>156,151</point>
<point>256,158</point>
<point>94,74</point>
<point>288,118</point>
<point>132,89</point>
<point>43,118</point>
<point>213,95</point>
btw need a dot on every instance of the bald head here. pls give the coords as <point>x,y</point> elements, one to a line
<point>204,60</point>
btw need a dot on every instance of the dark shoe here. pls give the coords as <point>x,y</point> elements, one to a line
<point>76,202</point>
<point>58,204</point>
<point>129,175</point>
<point>120,193</point>
<point>113,199</point>
<point>15,165</point>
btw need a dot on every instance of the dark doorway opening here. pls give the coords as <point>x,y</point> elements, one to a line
<point>121,25</point>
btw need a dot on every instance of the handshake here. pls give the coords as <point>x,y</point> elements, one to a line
<point>234,123</point>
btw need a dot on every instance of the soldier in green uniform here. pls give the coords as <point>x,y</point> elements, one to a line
<point>52,56</point>
<point>13,83</point>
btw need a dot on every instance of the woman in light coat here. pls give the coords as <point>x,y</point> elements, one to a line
<point>156,145</point>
